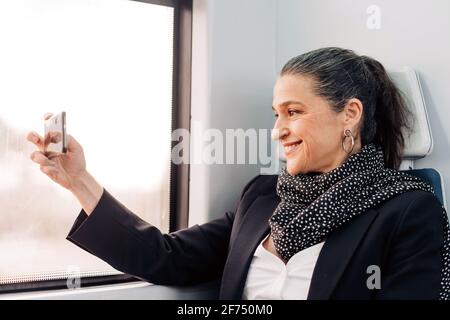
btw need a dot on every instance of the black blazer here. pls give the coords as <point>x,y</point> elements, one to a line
<point>403,237</point>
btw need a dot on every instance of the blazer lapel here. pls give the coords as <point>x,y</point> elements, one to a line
<point>336,254</point>
<point>331,263</point>
<point>253,229</point>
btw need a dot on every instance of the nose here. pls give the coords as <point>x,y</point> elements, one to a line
<point>279,132</point>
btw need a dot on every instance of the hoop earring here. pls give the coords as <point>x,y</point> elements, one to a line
<point>348,133</point>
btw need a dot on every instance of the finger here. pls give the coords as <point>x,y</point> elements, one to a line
<point>49,170</point>
<point>55,137</point>
<point>52,155</point>
<point>71,141</point>
<point>33,137</point>
<point>48,115</point>
<point>36,139</point>
<point>40,158</point>
<point>73,144</point>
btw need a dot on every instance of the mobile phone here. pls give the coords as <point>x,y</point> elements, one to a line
<point>55,136</point>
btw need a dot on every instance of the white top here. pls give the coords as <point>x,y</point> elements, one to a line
<point>269,278</point>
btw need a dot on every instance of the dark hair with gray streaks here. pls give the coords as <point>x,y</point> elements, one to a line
<point>341,74</point>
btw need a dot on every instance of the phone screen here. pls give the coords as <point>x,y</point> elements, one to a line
<point>55,134</point>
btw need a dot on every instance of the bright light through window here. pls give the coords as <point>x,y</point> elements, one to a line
<point>108,64</point>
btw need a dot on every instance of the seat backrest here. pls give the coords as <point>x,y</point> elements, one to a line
<point>434,178</point>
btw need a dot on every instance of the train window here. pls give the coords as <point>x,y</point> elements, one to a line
<point>109,64</point>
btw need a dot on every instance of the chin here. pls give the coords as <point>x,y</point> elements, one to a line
<point>293,170</point>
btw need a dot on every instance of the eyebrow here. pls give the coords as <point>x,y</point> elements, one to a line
<point>289,102</point>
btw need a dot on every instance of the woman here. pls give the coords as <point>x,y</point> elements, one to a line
<point>339,222</point>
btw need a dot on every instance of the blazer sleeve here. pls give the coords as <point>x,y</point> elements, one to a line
<point>414,264</point>
<point>129,244</point>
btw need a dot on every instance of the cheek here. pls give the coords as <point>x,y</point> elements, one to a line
<point>320,139</point>
<point>320,132</point>
<point>303,159</point>
<point>310,133</point>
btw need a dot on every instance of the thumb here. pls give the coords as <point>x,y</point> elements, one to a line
<point>73,144</point>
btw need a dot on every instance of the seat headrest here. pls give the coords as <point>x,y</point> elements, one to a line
<point>420,143</point>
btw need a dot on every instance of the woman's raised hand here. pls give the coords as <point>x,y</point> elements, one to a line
<point>64,168</point>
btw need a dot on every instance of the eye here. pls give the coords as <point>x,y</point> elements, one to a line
<point>275,115</point>
<point>292,112</point>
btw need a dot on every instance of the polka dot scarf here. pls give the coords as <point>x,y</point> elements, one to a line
<point>313,205</point>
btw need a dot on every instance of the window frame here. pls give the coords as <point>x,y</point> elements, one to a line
<point>181,111</point>
<point>179,173</point>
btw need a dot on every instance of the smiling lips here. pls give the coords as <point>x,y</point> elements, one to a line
<point>291,147</point>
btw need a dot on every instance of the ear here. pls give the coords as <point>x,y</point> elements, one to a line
<point>353,112</point>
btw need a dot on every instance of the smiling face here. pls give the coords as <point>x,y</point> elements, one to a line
<point>308,128</point>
